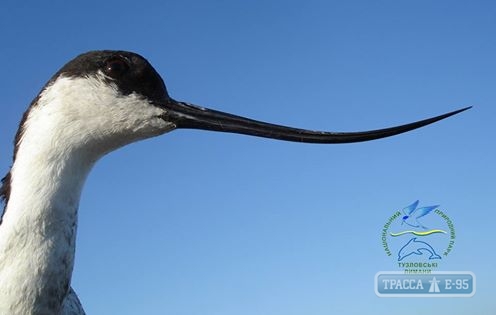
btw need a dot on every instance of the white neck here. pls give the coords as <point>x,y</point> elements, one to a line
<point>37,235</point>
<point>73,124</point>
<point>38,230</point>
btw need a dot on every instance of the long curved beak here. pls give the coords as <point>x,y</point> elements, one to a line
<point>185,115</point>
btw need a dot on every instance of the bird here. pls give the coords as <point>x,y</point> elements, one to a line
<point>412,214</point>
<point>96,103</point>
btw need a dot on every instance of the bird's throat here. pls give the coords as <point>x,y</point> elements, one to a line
<point>38,230</point>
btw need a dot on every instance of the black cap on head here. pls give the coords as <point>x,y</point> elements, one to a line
<point>130,72</point>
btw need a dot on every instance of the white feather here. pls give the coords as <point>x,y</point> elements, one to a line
<point>74,123</point>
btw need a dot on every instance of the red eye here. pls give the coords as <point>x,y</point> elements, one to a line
<point>116,66</point>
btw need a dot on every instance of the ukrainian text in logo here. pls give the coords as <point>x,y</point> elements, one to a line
<point>418,238</point>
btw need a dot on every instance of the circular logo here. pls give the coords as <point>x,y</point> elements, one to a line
<point>418,237</point>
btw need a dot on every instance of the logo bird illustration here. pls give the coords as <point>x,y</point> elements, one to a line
<point>412,214</point>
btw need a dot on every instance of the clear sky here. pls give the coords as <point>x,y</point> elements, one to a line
<point>207,223</point>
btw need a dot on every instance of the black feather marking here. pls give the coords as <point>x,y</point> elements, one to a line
<point>140,78</point>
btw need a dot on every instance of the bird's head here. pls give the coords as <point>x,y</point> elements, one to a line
<point>102,100</point>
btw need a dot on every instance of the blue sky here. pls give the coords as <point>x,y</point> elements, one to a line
<point>207,223</point>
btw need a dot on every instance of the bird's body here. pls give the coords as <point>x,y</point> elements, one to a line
<point>95,104</point>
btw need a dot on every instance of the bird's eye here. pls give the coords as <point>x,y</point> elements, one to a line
<point>116,67</point>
